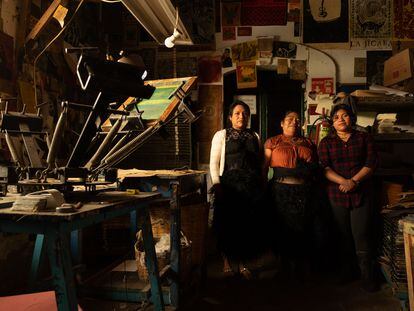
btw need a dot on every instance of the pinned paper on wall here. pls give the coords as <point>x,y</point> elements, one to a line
<point>282,66</point>
<point>246,75</point>
<point>325,103</point>
<point>298,69</point>
<point>323,85</point>
<point>360,67</point>
<point>250,100</point>
<point>245,51</point>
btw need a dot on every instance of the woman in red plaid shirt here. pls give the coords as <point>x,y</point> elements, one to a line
<point>348,158</point>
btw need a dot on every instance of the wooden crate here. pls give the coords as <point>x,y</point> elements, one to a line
<point>194,224</point>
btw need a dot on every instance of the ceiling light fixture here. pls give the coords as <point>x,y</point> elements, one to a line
<point>160,19</point>
<point>170,41</point>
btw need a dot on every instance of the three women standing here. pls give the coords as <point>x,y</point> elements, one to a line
<point>348,159</point>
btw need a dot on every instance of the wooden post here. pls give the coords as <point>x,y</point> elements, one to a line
<point>408,246</point>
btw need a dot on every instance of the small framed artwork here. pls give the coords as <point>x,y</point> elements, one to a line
<point>244,31</point>
<point>229,33</point>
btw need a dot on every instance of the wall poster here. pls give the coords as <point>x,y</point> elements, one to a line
<point>323,85</point>
<point>318,16</point>
<point>403,20</point>
<point>246,75</point>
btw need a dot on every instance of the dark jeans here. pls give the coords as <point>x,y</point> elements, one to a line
<point>354,229</point>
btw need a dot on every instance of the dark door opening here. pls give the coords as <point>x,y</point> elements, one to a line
<point>275,94</point>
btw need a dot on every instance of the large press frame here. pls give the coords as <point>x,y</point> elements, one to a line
<point>112,81</point>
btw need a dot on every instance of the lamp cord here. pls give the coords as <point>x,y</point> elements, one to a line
<point>176,17</point>
<point>47,46</point>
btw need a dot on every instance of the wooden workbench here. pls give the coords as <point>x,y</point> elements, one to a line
<point>55,229</point>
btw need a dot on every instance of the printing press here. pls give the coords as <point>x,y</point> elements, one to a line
<point>93,160</point>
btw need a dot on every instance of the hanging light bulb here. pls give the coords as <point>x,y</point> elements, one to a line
<point>170,41</point>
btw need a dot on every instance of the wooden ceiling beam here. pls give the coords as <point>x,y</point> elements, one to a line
<point>44,20</point>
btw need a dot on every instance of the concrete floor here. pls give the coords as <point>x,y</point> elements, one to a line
<point>269,291</point>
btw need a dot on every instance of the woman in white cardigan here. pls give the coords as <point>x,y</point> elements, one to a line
<point>236,171</point>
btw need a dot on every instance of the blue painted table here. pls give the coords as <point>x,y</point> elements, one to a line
<point>56,228</point>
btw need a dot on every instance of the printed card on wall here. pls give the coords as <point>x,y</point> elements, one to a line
<point>284,49</point>
<point>245,51</point>
<point>298,69</point>
<point>229,33</point>
<point>209,69</point>
<point>244,31</point>
<point>360,67</point>
<point>403,20</point>
<point>319,16</point>
<point>282,66</point>
<point>230,13</point>
<point>323,85</point>
<point>246,75</point>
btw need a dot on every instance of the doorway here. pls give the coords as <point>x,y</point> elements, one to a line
<point>275,94</point>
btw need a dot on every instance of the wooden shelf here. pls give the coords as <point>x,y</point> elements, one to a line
<point>394,137</point>
<point>385,104</point>
<point>405,171</point>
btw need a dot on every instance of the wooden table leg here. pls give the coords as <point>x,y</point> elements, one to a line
<point>36,259</point>
<point>58,249</point>
<point>175,236</point>
<point>151,261</point>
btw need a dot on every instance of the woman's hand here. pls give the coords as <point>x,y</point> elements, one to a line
<point>347,185</point>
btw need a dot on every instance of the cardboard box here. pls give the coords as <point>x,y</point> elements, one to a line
<point>398,67</point>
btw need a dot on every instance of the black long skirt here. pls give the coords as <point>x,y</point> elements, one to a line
<point>239,215</point>
<point>294,215</point>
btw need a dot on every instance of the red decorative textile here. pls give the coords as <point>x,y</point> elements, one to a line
<point>403,19</point>
<point>264,12</point>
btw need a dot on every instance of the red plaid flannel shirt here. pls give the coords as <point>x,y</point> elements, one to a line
<point>346,159</point>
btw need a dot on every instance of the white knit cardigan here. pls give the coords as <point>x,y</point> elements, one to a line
<point>217,155</point>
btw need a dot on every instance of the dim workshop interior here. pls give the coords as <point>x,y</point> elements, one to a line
<point>207,155</point>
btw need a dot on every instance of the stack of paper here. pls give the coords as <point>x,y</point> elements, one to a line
<point>386,122</point>
<point>30,203</point>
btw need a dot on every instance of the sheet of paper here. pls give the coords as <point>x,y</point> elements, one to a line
<point>250,100</point>
<point>366,118</point>
<point>325,104</point>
